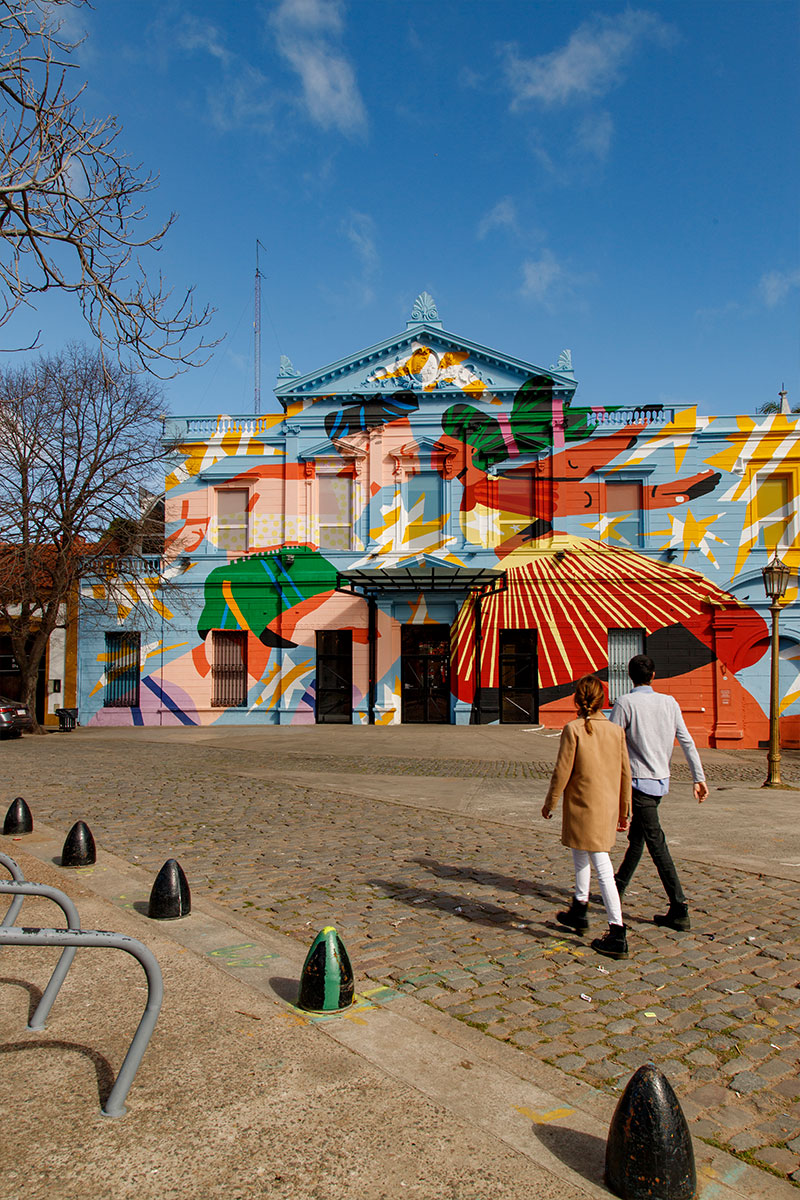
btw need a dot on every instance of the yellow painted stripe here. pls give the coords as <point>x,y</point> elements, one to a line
<point>544,1118</point>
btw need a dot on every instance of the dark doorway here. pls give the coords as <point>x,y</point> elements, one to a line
<point>334,704</point>
<point>426,674</point>
<point>519,677</point>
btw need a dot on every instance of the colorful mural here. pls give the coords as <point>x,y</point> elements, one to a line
<point>428,481</point>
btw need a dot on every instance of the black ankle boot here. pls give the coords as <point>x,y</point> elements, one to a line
<point>676,918</point>
<point>576,917</point>
<point>613,944</point>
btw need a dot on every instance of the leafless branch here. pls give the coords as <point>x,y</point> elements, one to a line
<point>79,439</point>
<point>72,205</point>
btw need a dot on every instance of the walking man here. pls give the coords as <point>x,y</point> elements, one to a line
<point>652,722</point>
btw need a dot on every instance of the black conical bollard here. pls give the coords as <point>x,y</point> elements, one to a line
<point>326,983</point>
<point>79,848</point>
<point>649,1154</point>
<point>170,896</point>
<point>19,818</point>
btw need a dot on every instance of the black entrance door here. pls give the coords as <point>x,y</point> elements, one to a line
<point>334,676</point>
<point>519,686</point>
<point>426,674</point>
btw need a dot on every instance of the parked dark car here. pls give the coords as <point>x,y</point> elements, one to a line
<point>14,717</point>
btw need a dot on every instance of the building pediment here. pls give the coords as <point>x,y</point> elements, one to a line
<point>425,358</point>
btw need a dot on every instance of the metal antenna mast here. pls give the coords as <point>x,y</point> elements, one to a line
<point>257,338</point>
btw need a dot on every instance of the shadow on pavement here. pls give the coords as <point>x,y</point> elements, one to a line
<point>34,993</point>
<point>285,989</point>
<point>583,1152</point>
<point>102,1067</point>
<point>480,912</point>
<point>507,883</point>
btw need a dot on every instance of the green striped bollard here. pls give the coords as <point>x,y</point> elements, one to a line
<point>326,982</point>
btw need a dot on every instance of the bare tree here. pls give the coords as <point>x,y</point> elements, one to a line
<point>71,203</point>
<point>78,439</point>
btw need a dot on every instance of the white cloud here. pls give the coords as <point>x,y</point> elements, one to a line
<point>502,216</point>
<point>70,24</point>
<point>307,35</point>
<point>359,229</point>
<point>589,65</point>
<point>540,277</point>
<point>194,34</point>
<point>550,281</point>
<point>776,285</point>
<point>241,95</point>
<point>594,134</point>
<point>731,308</point>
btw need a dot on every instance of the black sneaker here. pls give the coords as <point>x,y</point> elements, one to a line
<point>677,918</point>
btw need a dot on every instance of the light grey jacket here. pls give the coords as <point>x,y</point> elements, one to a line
<point>652,722</point>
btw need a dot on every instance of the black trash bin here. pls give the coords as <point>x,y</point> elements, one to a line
<point>67,719</point>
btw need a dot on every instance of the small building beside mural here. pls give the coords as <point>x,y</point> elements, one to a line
<point>432,531</point>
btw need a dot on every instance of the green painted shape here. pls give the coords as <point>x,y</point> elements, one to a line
<point>242,955</point>
<point>530,422</point>
<point>262,585</point>
<point>326,981</point>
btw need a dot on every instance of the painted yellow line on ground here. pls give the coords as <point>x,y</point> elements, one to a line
<point>544,1118</point>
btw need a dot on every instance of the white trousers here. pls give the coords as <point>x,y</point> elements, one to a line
<point>584,860</point>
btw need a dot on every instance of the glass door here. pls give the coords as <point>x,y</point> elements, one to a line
<point>425,674</point>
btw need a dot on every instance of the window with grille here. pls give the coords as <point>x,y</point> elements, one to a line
<point>232,519</point>
<point>123,658</point>
<point>229,669</point>
<point>623,645</point>
<point>624,511</point>
<point>335,494</point>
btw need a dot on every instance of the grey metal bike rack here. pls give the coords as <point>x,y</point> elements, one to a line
<point>72,939</point>
<point>21,890</point>
<point>16,874</point>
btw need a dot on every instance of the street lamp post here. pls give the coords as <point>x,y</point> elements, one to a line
<point>776,579</point>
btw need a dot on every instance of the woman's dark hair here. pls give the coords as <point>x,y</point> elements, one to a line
<point>641,669</point>
<point>588,698</point>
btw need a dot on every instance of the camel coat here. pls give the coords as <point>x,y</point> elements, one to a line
<point>593,772</point>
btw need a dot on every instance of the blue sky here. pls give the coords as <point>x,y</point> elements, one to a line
<point>618,179</point>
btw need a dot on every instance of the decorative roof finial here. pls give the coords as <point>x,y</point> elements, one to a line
<point>286,370</point>
<point>564,364</point>
<point>424,311</point>
<point>784,408</point>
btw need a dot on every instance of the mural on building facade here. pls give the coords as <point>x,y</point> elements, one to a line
<point>602,526</point>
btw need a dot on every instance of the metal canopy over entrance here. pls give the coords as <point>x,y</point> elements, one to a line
<point>423,573</point>
<point>425,669</point>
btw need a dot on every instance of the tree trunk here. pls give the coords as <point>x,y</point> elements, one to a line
<point>29,656</point>
<point>29,680</point>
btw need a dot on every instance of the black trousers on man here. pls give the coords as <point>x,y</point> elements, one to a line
<point>645,830</point>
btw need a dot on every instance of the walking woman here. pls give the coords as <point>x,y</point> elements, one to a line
<point>593,772</point>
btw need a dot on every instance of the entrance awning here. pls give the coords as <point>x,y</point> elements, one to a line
<point>423,573</point>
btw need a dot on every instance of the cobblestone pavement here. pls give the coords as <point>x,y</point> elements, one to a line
<point>741,771</point>
<point>461,911</point>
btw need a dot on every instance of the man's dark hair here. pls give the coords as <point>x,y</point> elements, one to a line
<point>641,669</point>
